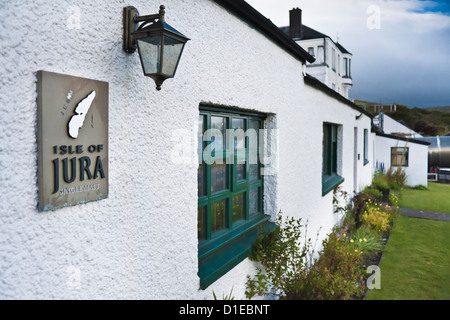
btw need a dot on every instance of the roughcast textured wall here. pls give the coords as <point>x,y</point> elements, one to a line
<point>141,242</point>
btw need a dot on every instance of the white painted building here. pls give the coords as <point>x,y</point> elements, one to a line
<point>333,62</point>
<point>410,155</point>
<point>394,127</point>
<point>160,233</point>
<point>396,146</point>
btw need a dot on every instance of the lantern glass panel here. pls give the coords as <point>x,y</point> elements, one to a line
<point>150,53</point>
<point>172,52</point>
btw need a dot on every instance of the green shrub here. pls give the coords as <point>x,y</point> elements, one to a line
<point>380,183</point>
<point>289,270</point>
<point>420,187</point>
<point>370,191</point>
<point>396,177</point>
<point>394,185</point>
<point>224,297</point>
<point>283,256</point>
<point>393,200</point>
<point>375,217</point>
<point>366,241</point>
<point>357,205</point>
<point>336,275</point>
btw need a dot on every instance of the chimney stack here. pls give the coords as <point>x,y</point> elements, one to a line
<point>295,23</point>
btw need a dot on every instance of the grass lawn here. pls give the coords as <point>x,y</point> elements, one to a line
<point>416,262</point>
<point>436,198</point>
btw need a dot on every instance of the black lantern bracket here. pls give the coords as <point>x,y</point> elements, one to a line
<point>131,27</point>
<point>153,26</point>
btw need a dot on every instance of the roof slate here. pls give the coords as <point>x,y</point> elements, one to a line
<point>250,15</point>
<point>310,33</point>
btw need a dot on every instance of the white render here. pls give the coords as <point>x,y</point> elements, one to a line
<point>392,126</point>
<point>318,108</point>
<point>416,171</point>
<point>141,242</point>
<point>333,74</point>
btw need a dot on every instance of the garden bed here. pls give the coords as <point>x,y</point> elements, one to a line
<point>292,270</point>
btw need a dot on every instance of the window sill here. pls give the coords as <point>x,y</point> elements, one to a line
<point>330,182</point>
<point>218,256</point>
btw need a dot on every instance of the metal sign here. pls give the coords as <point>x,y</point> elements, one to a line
<point>72,140</point>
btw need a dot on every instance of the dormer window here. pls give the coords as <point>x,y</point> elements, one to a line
<point>311,51</point>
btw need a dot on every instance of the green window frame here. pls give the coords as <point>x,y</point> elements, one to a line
<point>366,146</point>
<point>230,194</point>
<point>330,177</point>
<point>399,156</point>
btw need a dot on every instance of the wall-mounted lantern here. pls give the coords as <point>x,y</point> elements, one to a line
<point>159,45</point>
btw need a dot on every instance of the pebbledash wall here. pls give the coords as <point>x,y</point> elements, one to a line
<point>141,242</point>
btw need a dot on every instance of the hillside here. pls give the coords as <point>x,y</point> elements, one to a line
<point>426,121</point>
<point>441,109</point>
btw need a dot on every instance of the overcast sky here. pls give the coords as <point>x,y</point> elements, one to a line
<point>401,48</point>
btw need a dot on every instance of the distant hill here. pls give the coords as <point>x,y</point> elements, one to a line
<point>441,109</point>
<point>426,121</point>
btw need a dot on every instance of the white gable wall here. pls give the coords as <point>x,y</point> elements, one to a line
<point>416,171</point>
<point>392,126</point>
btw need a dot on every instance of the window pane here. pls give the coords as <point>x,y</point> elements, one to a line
<point>238,207</point>
<point>333,58</point>
<point>218,177</point>
<point>326,148</point>
<point>240,172</point>
<point>334,150</point>
<point>149,52</point>
<point>399,156</point>
<point>172,51</point>
<point>239,140</point>
<point>320,54</point>
<point>346,67</point>
<point>366,144</point>
<point>218,216</point>
<point>396,160</point>
<point>349,67</point>
<point>254,202</point>
<point>253,134</point>
<point>201,129</point>
<point>201,225</point>
<point>201,180</point>
<point>219,142</point>
<point>253,157</point>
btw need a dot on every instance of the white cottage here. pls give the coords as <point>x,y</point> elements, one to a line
<point>170,228</point>
<point>397,146</point>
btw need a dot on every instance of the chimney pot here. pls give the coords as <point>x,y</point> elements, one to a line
<point>295,23</point>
